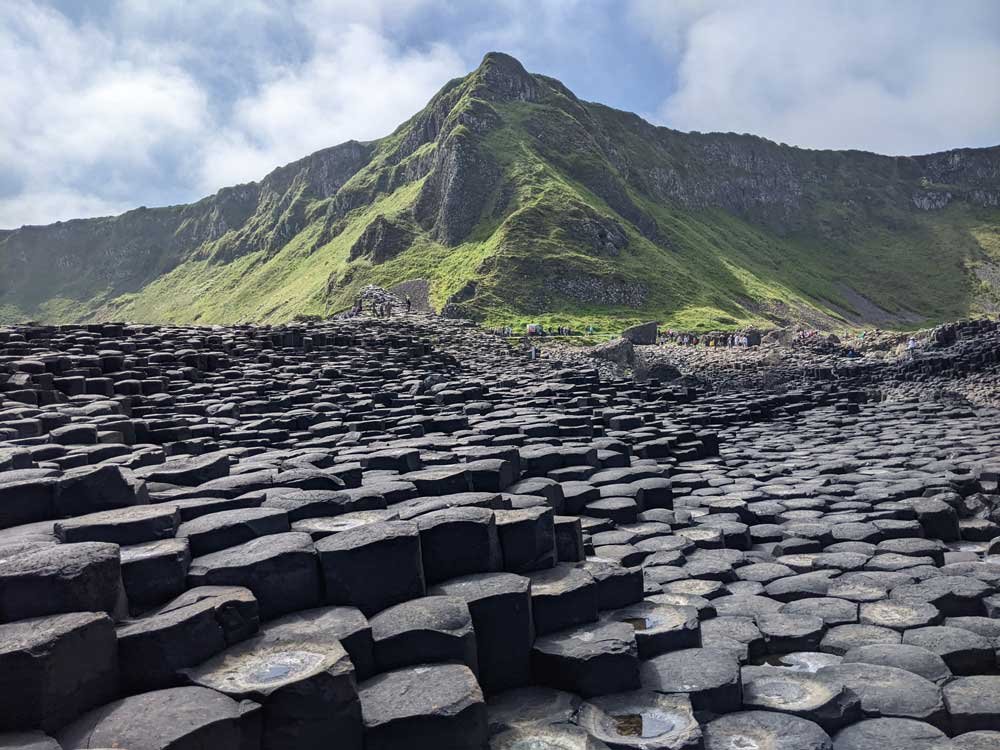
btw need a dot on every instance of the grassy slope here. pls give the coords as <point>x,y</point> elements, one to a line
<point>719,271</point>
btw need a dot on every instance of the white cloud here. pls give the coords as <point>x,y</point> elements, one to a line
<point>80,124</point>
<point>887,77</point>
<point>355,86</point>
<point>126,102</point>
<point>167,101</point>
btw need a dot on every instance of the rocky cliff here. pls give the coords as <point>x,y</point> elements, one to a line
<point>516,199</point>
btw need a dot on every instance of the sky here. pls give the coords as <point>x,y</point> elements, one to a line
<point>113,104</point>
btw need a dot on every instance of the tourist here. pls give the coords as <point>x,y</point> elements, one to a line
<point>409,304</point>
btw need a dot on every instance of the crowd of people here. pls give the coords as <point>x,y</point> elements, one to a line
<point>733,340</point>
<point>535,329</point>
<point>380,306</point>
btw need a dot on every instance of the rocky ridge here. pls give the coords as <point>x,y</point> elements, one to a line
<point>547,204</point>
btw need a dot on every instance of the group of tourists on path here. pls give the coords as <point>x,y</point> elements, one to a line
<point>734,340</point>
<point>535,329</point>
<point>380,307</point>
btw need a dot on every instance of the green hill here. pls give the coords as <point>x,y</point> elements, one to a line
<point>515,200</point>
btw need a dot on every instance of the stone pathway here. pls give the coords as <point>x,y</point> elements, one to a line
<point>403,534</point>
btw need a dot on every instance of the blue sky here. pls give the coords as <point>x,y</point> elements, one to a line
<point>111,104</point>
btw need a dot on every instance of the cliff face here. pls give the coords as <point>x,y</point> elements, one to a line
<point>513,198</point>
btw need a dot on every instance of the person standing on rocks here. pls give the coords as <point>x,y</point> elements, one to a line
<point>409,304</point>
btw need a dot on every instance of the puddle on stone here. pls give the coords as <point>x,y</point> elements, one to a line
<point>280,667</point>
<point>643,724</point>
<point>798,661</point>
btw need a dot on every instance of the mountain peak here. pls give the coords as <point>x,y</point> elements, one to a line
<point>509,197</point>
<point>503,77</point>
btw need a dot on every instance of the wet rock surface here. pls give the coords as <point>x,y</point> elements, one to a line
<point>404,534</point>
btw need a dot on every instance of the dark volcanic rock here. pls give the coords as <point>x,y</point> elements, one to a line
<point>350,530</point>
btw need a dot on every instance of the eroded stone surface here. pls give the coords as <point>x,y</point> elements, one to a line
<point>795,549</point>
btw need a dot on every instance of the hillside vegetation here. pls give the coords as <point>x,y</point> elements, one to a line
<point>517,201</point>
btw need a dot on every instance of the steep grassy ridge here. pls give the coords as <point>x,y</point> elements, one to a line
<point>518,202</point>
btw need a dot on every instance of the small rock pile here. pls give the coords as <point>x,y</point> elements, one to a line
<point>404,533</point>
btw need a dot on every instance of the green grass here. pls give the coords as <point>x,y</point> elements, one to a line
<point>701,269</point>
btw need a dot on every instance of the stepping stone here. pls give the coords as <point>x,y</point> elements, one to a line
<point>61,578</point>
<point>458,541</point>
<point>988,627</point>
<point>823,701</point>
<point>981,740</point>
<point>953,596</point>
<point>739,634</point>
<point>373,566</point>
<point>302,504</point>
<point>142,523</point>
<point>427,630</point>
<point>642,720</point>
<point>527,539</point>
<point>569,539</point>
<point>805,661</point>
<point>500,606</point>
<point>281,570</point>
<point>709,676</point>
<point>842,638</point>
<point>27,741</point>
<point>323,627</point>
<point>184,718</point>
<point>764,729</point>
<point>562,597</point>
<point>899,615</point>
<point>830,610</point>
<point>559,737</point>
<point>27,500</point>
<point>702,587</point>
<point>617,586</point>
<point>591,659</point>
<point>705,608</point>
<point>659,628</point>
<point>153,572</point>
<point>914,659</point>
<point>188,472</point>
<point>890,734</point>
<point>431,706</point>
<point>963,651</point>
<point>439,480</point>
<point>230,528</point>
<point>784,633</point>
<point>54,668</point>
<point>973,703</point>
<point>153,650</point>
<point>889,692</point>
<point>194,507</point>
<point>235,608</point>
<point>88,489</point>
<point>306,689</point>
<point>551,490</point>
<point>531,706</point>
<point>320,528</point>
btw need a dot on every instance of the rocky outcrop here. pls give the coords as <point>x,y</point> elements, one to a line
<point>381,240</point>
<point>620,351</point>
<point>644,333</point>
<point>931,200</point>
<point>561,195</point>
<point>122,253</point>
<point>597,290</point>
<point>458,189</point>
<point>603,236</point>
